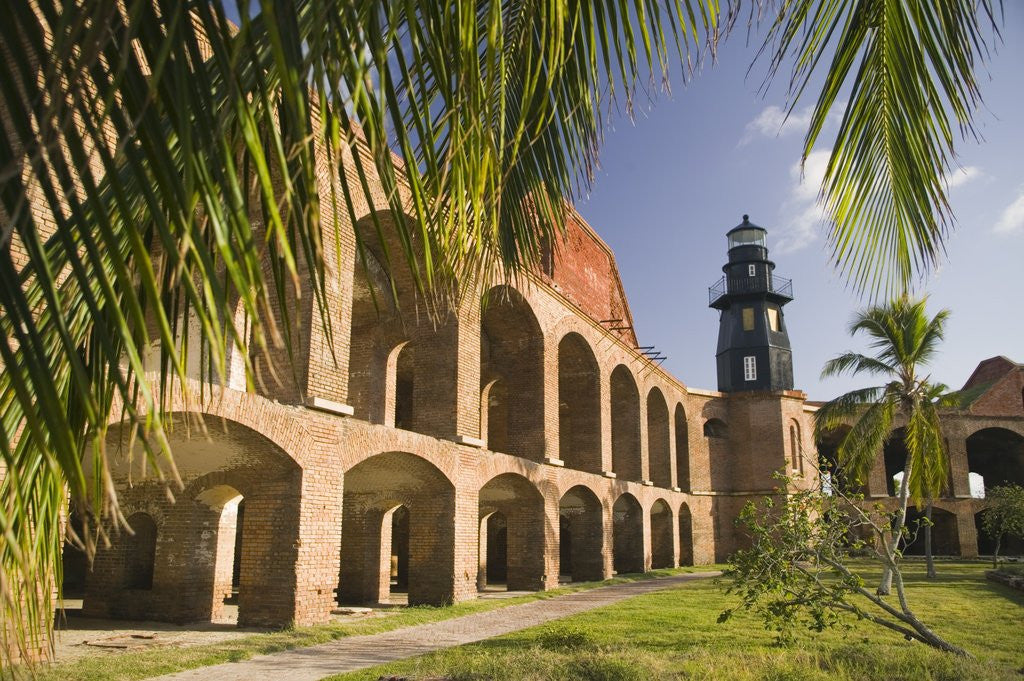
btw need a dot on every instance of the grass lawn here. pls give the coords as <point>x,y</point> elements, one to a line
<point>674,635</point>
<point>144,664</point>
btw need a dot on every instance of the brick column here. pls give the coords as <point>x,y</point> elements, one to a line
<point>466,550</point>
<point>468,419</point>
<point>959,469</point>
<point>318,550</point>
<point>967,534</point>
<point>672,456</point>
<point>645,439</point>
<point>877,485</point>
<point>551,404</point>
<point>552,539</point>
<point>606,426</point>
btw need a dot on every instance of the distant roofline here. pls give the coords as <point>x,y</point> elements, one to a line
<point>985,362</point>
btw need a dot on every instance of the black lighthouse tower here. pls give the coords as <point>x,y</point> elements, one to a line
<point>753,345</point>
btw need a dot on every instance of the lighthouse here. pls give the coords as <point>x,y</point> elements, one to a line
<point>753,345</point>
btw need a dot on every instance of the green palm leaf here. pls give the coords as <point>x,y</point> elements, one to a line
<point>907,69</point>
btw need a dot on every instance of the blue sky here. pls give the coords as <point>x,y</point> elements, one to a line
<point>673,181</point>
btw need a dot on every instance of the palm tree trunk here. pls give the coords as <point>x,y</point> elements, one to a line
<point>928,557</point>
<point>893,540</point>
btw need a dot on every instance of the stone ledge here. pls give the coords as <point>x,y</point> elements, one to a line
<point>469,441</point>
<point>1010,580</point>
<point>551,461</point>
<point>323,404</point>
<point>647,483</point>
<point>677,489</point>
<point>609,474</point>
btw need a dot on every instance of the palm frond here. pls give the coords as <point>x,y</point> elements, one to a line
<point>856,363</point>
<point>860,447</point>
<point>907,68</point>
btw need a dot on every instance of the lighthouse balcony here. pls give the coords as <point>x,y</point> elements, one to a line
<point>779,287</point>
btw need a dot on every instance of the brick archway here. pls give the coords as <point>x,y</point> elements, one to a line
<point>662,541</point>
<point>628,534</point>
<point>658,450</point>
<point>512,499</point>
<point>685,535</point>
<point>625,409</point>
<point>194,554</point>
<point>581,535</point>
<point>403,346</point>
<point>997,456</point>
<point>512,363</point>
<point>377,489</point>
<point>682,436</point>
<point>579,405</point>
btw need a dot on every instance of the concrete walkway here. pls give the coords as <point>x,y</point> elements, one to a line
<point>359,652</point>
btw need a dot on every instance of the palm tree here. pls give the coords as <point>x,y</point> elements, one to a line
<point>159,163</point>
<point>904,340</point>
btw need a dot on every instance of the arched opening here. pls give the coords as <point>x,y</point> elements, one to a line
<point>140,552</point>
<point>997,455</point>
<point>625,425</point>
<point>658,453</point>
<point>511,503</point>
<point>682,433</point>
<point>685,536</point>
<point>945,536</point>
<point>512,353</point>
<point>796,457</point>
<point>662,553</point>
<point>221,504</point>
<point>205,563</point>
<point>627,535</point>
<point>581,536</point>
<point>722,462</point>
<point>75,564</point>
<point>1009,545</point>
<point>397,532</point>
<point>405,383</point>
<point>399,550</point>
<point>579,405</point>
<point>716,428</point>
<point>834,478</point>
<point>895,453</point>
<point>402,363</point>
<point>494,552</point>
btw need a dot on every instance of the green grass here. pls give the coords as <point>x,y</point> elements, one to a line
<point>144,664</point>
<point>673,634</point>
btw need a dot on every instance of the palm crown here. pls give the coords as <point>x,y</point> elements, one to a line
<point>905,340</point>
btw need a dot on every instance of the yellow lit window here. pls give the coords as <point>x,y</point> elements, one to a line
<point>748,319</point>
<point>773,318</point>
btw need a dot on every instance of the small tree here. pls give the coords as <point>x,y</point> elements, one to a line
<point>904,340</point>
<point>796,573</point>
<point>1005,515</point>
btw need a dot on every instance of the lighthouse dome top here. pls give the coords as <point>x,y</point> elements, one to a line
<point>746,234</point>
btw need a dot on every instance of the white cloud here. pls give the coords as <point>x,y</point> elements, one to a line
<point>1012,217</point>
<point>772,122</point>
<point>962,176</point>
<point>802,215</point>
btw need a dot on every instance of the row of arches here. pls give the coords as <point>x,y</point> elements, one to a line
<point>405,373</point>
<point>994,456</point>
<point>207,555</point>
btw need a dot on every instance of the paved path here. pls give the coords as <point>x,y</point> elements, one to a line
<point>358,652</point>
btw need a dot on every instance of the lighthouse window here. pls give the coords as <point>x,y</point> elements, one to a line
<point>748,319</point>
<point>750,368</point>
<point>751,270</point>
<point>773,318</point>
